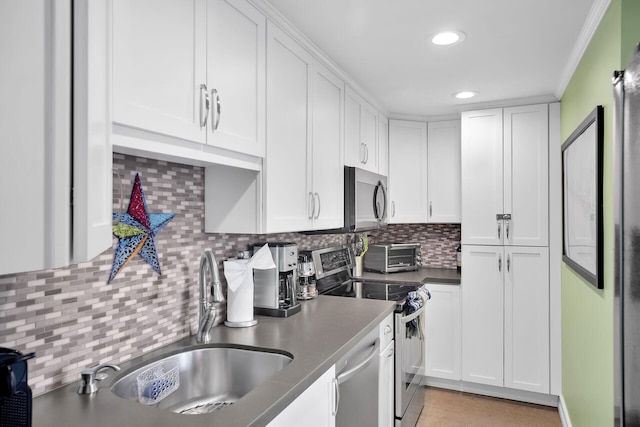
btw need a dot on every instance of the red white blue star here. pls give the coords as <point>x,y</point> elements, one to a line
<point>137,232</point>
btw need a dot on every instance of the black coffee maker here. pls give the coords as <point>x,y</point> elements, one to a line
<point>15,394</point>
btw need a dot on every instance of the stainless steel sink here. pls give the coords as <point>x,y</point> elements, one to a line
<point>210,377</point>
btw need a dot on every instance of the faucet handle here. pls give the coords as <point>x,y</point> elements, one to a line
<point>90,376</point>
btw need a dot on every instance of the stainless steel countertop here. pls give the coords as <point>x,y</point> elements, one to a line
<point>422,275</point>
<point>325,329</point>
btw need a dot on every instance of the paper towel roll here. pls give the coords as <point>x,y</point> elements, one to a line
<point>239,275</point>
<point>239,296</point>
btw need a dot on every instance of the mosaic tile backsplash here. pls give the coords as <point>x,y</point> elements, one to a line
<point>72,319</point>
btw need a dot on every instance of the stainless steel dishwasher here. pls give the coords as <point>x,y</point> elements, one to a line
<point>356,384</point>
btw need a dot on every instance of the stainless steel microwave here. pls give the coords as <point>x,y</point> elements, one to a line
<point>365,200</point>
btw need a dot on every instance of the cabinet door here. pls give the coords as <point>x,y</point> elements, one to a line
<point>361,130</point>
<point>526,314</point>
<point>385,387</point>
<point>353,153</point>
<point>383,145</point>
<point>443,332</point>
<point>407,171</point>
<point>526,175</point>
<point>443,171</point>
<point>369,135</point>
<point>35,167</point>
<point>327,148</point>
<point>159,63</point>
<point>313,408</point>
<point>482,180</point>
<point>287,179</point>
<point>482,314</point>
<point>236,71</point>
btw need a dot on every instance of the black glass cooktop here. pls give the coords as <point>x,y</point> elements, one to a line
<point>373,290</point>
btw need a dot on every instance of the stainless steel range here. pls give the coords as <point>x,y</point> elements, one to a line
<point>333,266</point>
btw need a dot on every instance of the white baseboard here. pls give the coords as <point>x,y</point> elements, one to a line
<point>500,392</point>
<point>564,413</point>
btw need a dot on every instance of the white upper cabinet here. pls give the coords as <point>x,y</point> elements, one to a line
<point>383,145</point>
<point>327,149</point>
<point>50,140</point>
<point>361,132</point>
<point>159,63</point>
<point>505,176</point>
<point>188,72</point>
<point>236,76</point>
<point>286,181</point>
<point>482,177</point>
<point>407,172</point>
<point>526,175</point>
<point>443,171</point>
<point>303,170</point>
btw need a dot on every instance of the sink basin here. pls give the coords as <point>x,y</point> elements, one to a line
<point>210,378</point>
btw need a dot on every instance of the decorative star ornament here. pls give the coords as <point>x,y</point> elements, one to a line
<point>136,232</point>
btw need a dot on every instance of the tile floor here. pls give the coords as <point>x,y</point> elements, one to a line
<point>446,408</point>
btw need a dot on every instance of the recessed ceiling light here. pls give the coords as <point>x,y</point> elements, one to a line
<point>465,94</point>
<point>447,38</point>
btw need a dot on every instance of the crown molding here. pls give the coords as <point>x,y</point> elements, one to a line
<point>598,9</point>
<point>275,16</point>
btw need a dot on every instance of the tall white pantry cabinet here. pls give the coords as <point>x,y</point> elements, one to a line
<point>505,254</point>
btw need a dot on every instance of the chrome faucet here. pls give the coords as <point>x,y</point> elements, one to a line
<point>210,289</point>
<point>90,377</point>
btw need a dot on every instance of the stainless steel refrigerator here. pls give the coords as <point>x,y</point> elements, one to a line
<point>627,242</point>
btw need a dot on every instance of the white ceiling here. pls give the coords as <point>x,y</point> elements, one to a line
<point>514,49</point>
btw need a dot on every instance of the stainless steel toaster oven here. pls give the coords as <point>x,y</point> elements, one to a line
<point>391,258</point>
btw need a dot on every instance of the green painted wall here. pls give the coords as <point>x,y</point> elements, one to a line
<point>587,313</point>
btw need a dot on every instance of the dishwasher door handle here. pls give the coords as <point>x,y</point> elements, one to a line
<point>350,373</point>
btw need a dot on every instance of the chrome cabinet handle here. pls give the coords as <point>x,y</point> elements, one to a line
<point>312,205</point>
<point>204,105</point>
<point>215,112</point>
<point>506,229</point>
<point>366,153</point>
<point>430,209</point>
<point>317,214</point>
<point>508,263</point>
<point>500,263</point>
<point>362,153</point>
<point>387,330</point>
<point>336,397</point>
<point>499,230</point>
<point>393,209</point>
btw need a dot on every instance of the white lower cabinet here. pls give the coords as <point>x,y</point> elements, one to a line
<point>385,386</point>
<point>505,317</point>
<point>386,373</point>
<point>443,332</point>
<point>315,407</point>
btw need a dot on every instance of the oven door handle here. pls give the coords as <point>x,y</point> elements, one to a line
<point>350,373</point>
<point>410,317</point>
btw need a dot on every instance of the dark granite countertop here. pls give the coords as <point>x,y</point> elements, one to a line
<point>422,275</point>
<point>325,329</point>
